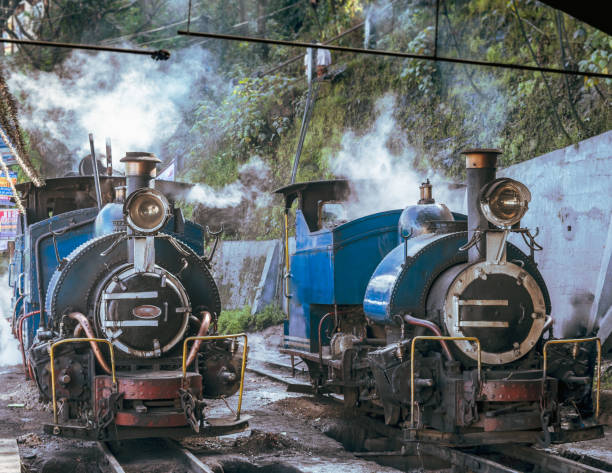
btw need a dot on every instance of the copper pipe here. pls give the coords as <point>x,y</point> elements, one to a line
<point>15,318</point>
<point>78,331</point>
<point>82,320</point>
<point>206,319</point>
<point>20,337</point>
<point>431,326</point>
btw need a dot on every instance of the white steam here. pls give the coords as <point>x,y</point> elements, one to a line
<point>381,168</point>
<point>9,348</point>
<point>134,100</point>
<point>252,177</point>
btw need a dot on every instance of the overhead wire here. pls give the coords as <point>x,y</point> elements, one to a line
<point>237,25</point>
<point>379,52</point>
<point>159,55</point>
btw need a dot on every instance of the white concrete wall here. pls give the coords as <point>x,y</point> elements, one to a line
<point>246,273</point>
<point>571,204</point>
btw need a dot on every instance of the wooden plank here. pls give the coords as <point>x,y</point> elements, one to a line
<point>10,461</point>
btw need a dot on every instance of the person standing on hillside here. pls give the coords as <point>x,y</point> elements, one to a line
<point>322,60</point>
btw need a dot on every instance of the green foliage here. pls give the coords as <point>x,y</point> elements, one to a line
<point>441,108</point>
<point>241,320</point>
<point>248,120</point>
<point>271,315</point>
<point>235,321</point>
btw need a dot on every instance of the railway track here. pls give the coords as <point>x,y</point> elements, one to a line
<point>143,455</point>
<point>490,459</point>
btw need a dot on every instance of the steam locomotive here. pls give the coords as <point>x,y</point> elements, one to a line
<point>432,319</point>
<point>116,309</point>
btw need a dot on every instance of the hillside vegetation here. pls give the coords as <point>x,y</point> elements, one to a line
<point>439,108</point>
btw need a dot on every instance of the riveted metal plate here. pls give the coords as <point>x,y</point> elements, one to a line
<point>516,390</point>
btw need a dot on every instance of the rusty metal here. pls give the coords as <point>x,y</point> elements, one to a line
<point>576,341</point>
<point>470,439</point>
<point>204,325</point>
<point>20,338</point>
<point>481,158</point>
<point>431,326</point>
<point>83,322</point>
<point>148,386</point>
<point>378,52</point>
<point>151,420</point>
<point>429,337</point>
<point>221,337</point>
<point>510,390</point>
<point>76,340</point>
<point>513,421</point>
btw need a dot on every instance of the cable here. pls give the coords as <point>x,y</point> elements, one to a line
<point>300,44</point>
<point>158,55</point>
<point>154,30</point>
<point>237,25</point>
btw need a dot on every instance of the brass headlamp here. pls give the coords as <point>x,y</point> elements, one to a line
<point>146,210</point>
<point>504,201</point>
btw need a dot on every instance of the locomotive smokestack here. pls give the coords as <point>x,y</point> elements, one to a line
<point>140,170</point>
<point>480,169</point>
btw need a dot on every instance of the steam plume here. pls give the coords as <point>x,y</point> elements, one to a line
<point>9,349</point>
<point>381,166</point>
<point>137,102</point>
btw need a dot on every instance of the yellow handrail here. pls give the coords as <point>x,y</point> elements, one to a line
<point>76,340</point>
<point>220,337</point>
<point>436,337</point>
<point>577,340</point>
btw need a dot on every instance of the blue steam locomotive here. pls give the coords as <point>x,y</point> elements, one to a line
<point>115,307</point>
<point>433,319</point>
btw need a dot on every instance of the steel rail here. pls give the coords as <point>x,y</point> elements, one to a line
<point>382,52</point>
<point>178,454</point>
<point>553,463</point>
<point>158,55</point>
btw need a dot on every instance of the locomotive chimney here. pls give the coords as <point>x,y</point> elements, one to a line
<point>140,170</point>
<point>480,169</point>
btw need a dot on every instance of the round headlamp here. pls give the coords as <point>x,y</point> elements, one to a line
<point>146,210</point>
<point>504,201</point>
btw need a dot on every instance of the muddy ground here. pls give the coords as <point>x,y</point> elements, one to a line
<point>289,432</point>
<point>285,434</point>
